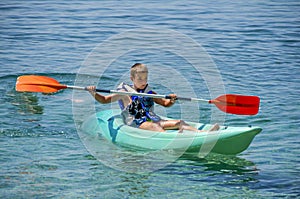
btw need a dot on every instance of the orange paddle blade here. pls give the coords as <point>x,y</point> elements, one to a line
<point>237,104</point>
<point>33,83</point>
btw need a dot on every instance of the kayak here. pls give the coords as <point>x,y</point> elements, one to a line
<point>227,140</point>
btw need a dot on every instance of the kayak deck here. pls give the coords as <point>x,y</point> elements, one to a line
<point>228,140</point>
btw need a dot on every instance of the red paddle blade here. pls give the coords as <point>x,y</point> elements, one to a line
<point>33,83</point>
<point>237,104</point>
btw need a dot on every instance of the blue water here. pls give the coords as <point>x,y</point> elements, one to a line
<point>254,45</point>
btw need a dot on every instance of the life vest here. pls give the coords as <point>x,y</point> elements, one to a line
<point>140,109</point>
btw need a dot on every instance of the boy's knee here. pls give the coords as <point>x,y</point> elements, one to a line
<point>180,123</point>
<point>157,127</point>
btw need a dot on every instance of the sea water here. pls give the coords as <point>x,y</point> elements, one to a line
<point>253,44</point>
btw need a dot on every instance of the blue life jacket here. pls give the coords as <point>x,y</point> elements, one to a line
<point>140,109</point>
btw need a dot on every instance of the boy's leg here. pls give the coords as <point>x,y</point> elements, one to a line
<point>176,124</point>
<point>163,125</point>
<point>181,125</point>
<point>151,126</point>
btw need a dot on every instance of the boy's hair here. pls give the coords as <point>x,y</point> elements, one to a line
<point>138,68</point>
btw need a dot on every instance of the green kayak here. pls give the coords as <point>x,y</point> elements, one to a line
<point>227,140</point>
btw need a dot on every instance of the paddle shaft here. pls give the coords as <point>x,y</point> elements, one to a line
<point>139,94</point>
<point>228,103</point>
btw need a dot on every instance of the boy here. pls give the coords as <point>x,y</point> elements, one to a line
<point>138,111</point>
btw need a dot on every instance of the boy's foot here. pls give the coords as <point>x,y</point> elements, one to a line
<point>215,127</point>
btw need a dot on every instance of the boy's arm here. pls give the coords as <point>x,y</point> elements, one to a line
<point>102,98</point>
<point>166,102</point>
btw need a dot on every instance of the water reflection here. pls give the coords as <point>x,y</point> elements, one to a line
<point>220,163</point>
<point>27,103</point>
<point>228,169</point>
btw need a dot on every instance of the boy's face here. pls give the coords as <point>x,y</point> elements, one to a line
<point>140,80</point>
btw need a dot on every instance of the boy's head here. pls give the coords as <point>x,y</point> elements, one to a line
<point>138,68</point>
<point>139,75</point>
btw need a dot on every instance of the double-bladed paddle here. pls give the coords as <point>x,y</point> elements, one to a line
<point>228,103</point>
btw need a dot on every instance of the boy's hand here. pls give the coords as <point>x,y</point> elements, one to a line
<point>91,89</point>
<point>173,98</point>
